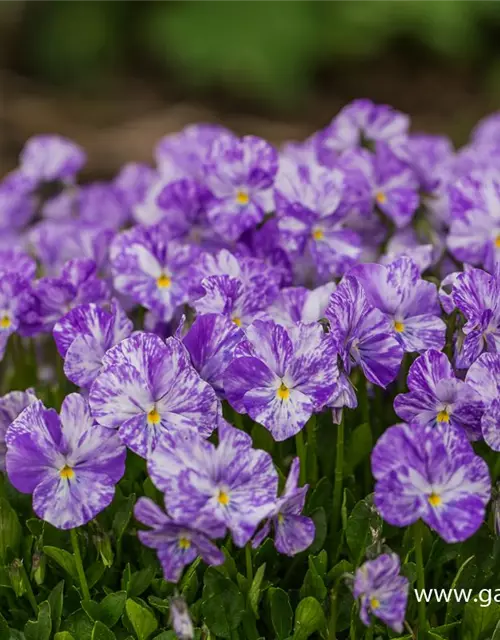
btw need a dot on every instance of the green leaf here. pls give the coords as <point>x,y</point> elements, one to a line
<point>309,618</point>
<point>79,625</point>
<point>362,520</point>
<point>409,570</point>
<point>63,558</point>
<point>359,447</point>
<point>109,610</point>
<point>102,632</point>
<point>222,604</point>
<point>321,496</point>
<point>35,526</point>
<point>479,619</point>
<point>4,629</point>
<point>10,530</point>
<point>163,605</point>
<point>94,573</point>
<point>41,629</point>
<point>262,438</point>
<point>319,518</point>
<point>126,577</point>
<point>338,571</point>
<point>496,633</point>
<point>313,583</point>
<point>63,635</point>
<point>320,562</point>
<point>281,612</point>
<point>55,600</point>
<point>142,620</point>
<point>254,593</point>
<point>465,576</point>
<point>434,636</point>
<point>123,515</point>
<point>140,581</point>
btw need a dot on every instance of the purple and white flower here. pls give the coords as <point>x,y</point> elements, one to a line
<point>484,377</point>
<point>298,304</point>
<point>11,406</point>
<point>46,158</point>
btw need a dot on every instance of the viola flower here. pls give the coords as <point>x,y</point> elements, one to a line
<point>281,376</point>
<point>484,377</point>
<point>147,388</point>
<point>183,205</point>
<point>84,335</point>
<point>358,123</point>
<point>211,341</point>
<point>17,203</point>
<point>132,184</point>
<point>433,475</point>
<point>437,398</point>
<point>405,243</point>
<point>298,304</point>
<point>240,174</point>
<point>362,335</point>
<point>101,203</point>
<point>54,297</point>
<point>383,181</point>
<point>477,295</point>
<point>11,406</point>
<point>382,591</point>
<point>69,464</point>
<point>236,300</point>
<point>48,158</point>
<point>475,219</point>
<point>231,485</point>
<point>16,300</point>
<point>293,532</point>
<point>409,303</point>
<point>177,543</point>
<point>311,218</point>
<point>487,130</point>
<point>152,269</point>
<point>430,157</point>
<point>180,619</point>
<point>17,261</point>
<point>344,395</point>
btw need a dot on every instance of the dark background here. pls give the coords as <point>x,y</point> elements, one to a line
<point>116,76</point>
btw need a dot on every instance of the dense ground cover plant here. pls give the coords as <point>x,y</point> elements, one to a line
<point>250,393</point>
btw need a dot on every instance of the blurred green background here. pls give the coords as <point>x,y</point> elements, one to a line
<point>115,75</point>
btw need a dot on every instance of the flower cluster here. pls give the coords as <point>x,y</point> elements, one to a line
<point>224,312</point>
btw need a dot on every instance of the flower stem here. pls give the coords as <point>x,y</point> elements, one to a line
<point>248,560</point>
<point>312,458</point>
<point>332,623</point>
<point>369,633</point>
<point>337,487</point>
<point>301,452</point>
<point>29,589</point>
<point>79,565</point>
<point>422,618</point>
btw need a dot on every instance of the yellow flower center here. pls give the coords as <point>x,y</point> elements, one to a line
<point>443,416</point>
<point>497,241</point>
<point>242,198</point>
<point>223,498</point>
<point>318,234</point>
<point>399,326</point>
<point>5,322</point>
<point>67,472</point>
<point>380,197</point>
<point>163,282</point>
<point>154,417</point>
<point>184,543</point>
<point>281,518</point>
<point>434,499</point>
<point>237,321</point>
<point>283,392</point>
<point>374,603</point>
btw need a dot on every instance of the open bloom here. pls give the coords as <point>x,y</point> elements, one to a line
<point>69,464</point>
<point>433,475</point>
<point>281,376</point>
<point>362,335</point>
<point>11,406</point>
<point>16,300</point>
<point>484,377</point>
<point>437,398</point>
<point>46,158</point>
<point>177,543</point>
<point>152,269</point>
<point>293,531</point>
<point>410,303</point>
<point>85,334</point>
<point>298,304</point>
<point>148,387</point>
<point>382,591</point>
<point>240,174</point>
<point>231,485</point>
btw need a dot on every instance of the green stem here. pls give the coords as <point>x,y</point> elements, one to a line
<point>337,486</point>
<point>312,457</point>
<point>29,589</point>
<point>79,564</point>
<point>332,623</point>
<point>238,421</point>
<point>369,633</point>
<point>248,560</point>
<point>301,452</point>
<point>422,618</point>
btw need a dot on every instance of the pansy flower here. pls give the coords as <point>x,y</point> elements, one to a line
<point>437,398</point>
<point>382,591</point>
<point>69,464</point>
<point>183,204</point>
<point>16,301</point>
<point>47,158</point>
<point>147,388</point>
<point>152,269</point>
<point>11,406</point>
<point>293,532</point>
<point>433,475</point>
<point>231,485</point>
<point>240,174</point>
<point>176,543</point>
<point>484,377</point>
<point>281,376</point>
<point>410,303</point>
<point>85,334</point>
<point>298,304</point>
